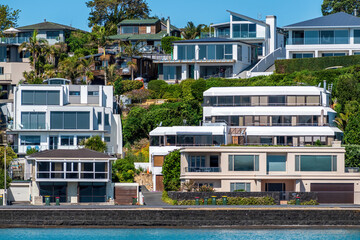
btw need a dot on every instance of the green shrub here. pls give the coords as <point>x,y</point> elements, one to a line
<point>165,198</point>
<point>352,156</point>
<point>171,171</point>
<point>166,43</point>
<point>314,64</point>
<point>123,86</point>
<point>234,201</point>
<point>311,202</point>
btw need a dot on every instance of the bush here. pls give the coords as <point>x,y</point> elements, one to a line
<point>166,43</point>
<point>124,170</point>
<point>352,156</point>
<point>314,64</point>
<point>123,86</point>
<point>159,87</point>
<point>95,143</point>
<point>234,201</point>
<point>171,171</point>
<point>165,198</point>
<point>205,188</point>
<point>311,202</point>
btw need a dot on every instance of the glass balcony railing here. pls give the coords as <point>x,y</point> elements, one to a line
<point>202,169</point>
<point>14,40</point>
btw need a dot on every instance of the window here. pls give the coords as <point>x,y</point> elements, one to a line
<point>311,163</point>
<point>327,37</point>
<point>129,30</point>
<point>99,117</point>
<point>276,100</point>
<point>67,140</point>
<point>239,187</point>
<point>218,140</point>
<point>243,163</point>
<point>93,93</point>
<point>196,162</point>
<point>107,139</point>
<point>311,37</point>
<point>244,30</point>
<point>307,120</point>
<point>225,100</point>
<point>223,32</point>
<point>33,120</point>
<point>186,52</point>
<point>341,37</point>
<point>81,138</point>
<point>172,72</point>
<point>333,54</point>
<point>1,70</point>
<point>298,37</point>
<point>74,93</point>
<point>281,120</point>
<point>238,19</point>
<point>154,141</point>
<point>69,120</point>
<point>29,97</point>
<point>106,119</point>
<point>170,140</point>
<point>148,29</point>
<point>276,163</point>
<point>239,53</point>
<point>30,140</point>
<point>52,35</point>
<point>302,55</point>
<point>356,36</point>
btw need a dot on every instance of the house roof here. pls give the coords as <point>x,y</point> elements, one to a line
<point>47,26</point>
<point>249,18</point>
<point>129,37</point>
<point>172,27</point>
<point>339,19</point>
<point>67,153</point>
<point>209,40</point>
<point>138,21</point>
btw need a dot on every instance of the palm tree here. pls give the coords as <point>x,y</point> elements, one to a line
<point>35,47</point>
<point>85,67</point>
<point>68,68</point>
<point>111,74</point>
<point>133,67</point>
<point>191,31</point>
<point>342,121</point>
<point>130,50</point>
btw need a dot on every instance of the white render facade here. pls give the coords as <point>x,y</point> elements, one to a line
<point>61,116</point>
<point>293,116</point>
<point>333,35</point>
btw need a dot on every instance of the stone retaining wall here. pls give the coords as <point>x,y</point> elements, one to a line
<point>191,217</point>
<point>191,195</point>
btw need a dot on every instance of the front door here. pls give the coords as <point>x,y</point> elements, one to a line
<point>53,142</point>
<point>276,187</point>
<point>191,71</point>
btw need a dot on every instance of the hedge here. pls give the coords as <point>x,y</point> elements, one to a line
<point>314,64</point>
<point>234,201</point>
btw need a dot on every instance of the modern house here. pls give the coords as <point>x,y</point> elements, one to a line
<point>263,34</point>
<point>47,117</point>
<point>294,116</point>
<point>336,34</point>
<point>148,31</point>
<point>75,176</point>
<point>282,169</point>
<point>13,63</point>
<point>164,140</point>
<point>205,58</point>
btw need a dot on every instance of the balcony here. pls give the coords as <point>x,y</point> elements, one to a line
<point>5,76</point>
<point>23,149</point>
<point>14,40</point>
<point>202,169</point>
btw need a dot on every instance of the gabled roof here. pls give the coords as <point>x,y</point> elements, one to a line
<point>172,27</point>
<point>339,19</point>
<point>82,153</point>
<point>135,37</point>
<point>47,26</point>
<point>248,18</point>
<point>138,21</point>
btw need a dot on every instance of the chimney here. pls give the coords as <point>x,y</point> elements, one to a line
<point>355,12</point>
<point>325,86</point>
<point>44,19</point>
<point>168,26</point>
<point>272,34</point>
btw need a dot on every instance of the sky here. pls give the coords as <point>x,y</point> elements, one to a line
<point>75,12</point>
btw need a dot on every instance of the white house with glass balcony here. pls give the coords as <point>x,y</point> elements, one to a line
<point>337,34</point>
<point>205,58</point>
<point>264,34</point>
<point>164,140</point>
<point>73,176</point>
<point>286,170</point>
<point>293,116</point>
<point>61,116</point>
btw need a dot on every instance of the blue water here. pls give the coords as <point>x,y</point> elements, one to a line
<point>178,234</point>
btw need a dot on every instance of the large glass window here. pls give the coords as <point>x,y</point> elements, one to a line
<point>70,120</point>
<point>30,140</point>
<point>129,29</point>
<point>172,72</point>
<point>53,35</point>
<point>276,163</point>
<point>239,187</point>
<point>276,100</point>
<point>186,52</point>
<point>220,52</point>
<point>341,37</point>
<point>311,37</point>
<point>223,32</point>
<point>33,120</point>
<point>244,30</point>
<point>298,37</point>
<point>196,161</point>
<point>67,140</point>
<point>29,97</point>
<point>356,36</point>
<point>243,163</point>
<point>311,163</point>
<point>327,37</point>
<point>225,100</point>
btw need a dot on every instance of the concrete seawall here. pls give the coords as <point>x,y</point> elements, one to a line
<point>190,217</point>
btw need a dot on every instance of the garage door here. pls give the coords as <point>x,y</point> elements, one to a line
<point>334,192</point>
<point>19,193</point>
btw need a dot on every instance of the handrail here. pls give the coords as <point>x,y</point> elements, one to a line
<point>267,61</point>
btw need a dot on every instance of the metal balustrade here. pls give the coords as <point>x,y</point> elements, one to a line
<point>202,169</point>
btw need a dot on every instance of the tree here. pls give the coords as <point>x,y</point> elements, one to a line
<point>191,31</point>
<point>342,120</point>
<point>8,17</point>
<point>139,94</point>
<point>68,68</point>
<point>37,48</point>
<point>133,126</point>
<point>352,156</point>
<point>109,13</point>
<point>10,155</point>
<point>334,6</point>
<point>171,171</point>
<point>95,143</point>
<point>85,67</point>
<point>112,74</point>
<point>133,67</point>
<point>124,169</point>
<point>123,86</point>
<point>347,88</point>
<point>166,43</point>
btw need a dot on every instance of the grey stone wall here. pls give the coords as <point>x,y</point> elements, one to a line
<point>191,195</point>
<point>177,217</point>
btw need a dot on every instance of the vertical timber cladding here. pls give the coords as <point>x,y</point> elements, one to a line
<point>159,183</point>
<point>334,192</point>
<point>124,194</point>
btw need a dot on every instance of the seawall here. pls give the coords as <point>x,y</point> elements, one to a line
<point>190,217</point>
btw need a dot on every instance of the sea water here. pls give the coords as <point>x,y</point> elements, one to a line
<point>177,234</point>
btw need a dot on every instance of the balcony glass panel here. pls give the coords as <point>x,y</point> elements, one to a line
<point>190,52</point>
<point>341,37</point>
<point>327,37</point>
<point>311,37</point>
<point>356,36</point>
<point>219,52</point>
<point>298,37</point>
<point>211,52</point>
<point>202,52</point>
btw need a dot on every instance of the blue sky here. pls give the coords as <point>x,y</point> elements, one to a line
<point>75,12</point>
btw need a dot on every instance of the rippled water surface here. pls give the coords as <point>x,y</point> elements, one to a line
<point>178,234</point>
